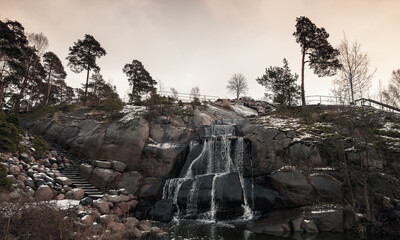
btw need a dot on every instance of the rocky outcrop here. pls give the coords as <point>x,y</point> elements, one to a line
<point>283,189</point>
<point>268,146</point>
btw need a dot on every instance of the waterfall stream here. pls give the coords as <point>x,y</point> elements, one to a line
<point>222,154</point>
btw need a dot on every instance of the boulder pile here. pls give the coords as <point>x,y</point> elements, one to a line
<point>38,178</point>
<point>111,213</point>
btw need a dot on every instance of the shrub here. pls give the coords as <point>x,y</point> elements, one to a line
<point>28,220</point>
<point>5,183</point>
<point>40,146</point>
<point>9,132</point>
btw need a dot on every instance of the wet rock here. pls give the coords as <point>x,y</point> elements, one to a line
<point>163,210</point>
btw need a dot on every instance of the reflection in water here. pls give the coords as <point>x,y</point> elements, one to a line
<point>207,230</point>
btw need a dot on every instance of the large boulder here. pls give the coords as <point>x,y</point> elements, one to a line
<point>103,178</point>
<point>102,164</point>
<point>283,189</point>
<point>305,154</point>
<point>63,181</point>
<point>81,132</point>
<point>151,190</point>
<point>327,220</point>
<point>163,160</point>
<point>164,133</point>
<point>85,170</point>
<point>118,166</point>
<point>163,210</point>
<point>267,147</point>
<point>277,223</point>
<point>130,181</point>
<point>327,188</point>
<point>44,193</point>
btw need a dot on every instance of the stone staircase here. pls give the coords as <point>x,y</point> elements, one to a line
<point>78,182</point>
<point>72,173</point>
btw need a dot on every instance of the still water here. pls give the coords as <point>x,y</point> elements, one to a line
<point>198,230</point>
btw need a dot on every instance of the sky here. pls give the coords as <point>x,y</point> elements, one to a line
<point>188,43</point>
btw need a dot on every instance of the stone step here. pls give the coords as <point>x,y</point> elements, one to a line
<point>96,196</point>
<point>72,172</point>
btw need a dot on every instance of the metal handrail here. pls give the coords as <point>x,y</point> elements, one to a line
<point>362,100</point>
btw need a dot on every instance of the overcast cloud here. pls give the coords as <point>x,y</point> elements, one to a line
<point>187,43</point>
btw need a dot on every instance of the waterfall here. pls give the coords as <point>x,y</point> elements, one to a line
<point>222,153</point>
<point>239,150</point>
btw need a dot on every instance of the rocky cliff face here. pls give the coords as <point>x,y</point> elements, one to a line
<point>329,184</point>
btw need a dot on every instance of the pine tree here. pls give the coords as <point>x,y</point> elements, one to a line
<point>139,79</point>
<point>322,57</point>
<point>280,84</point>
<point>82,56</point>
<point>54,70</point>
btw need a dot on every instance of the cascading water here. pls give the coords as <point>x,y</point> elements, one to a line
<point>222,154</point>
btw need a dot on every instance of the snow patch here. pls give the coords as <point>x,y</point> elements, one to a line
<point>163,145</point>
<point>324,169</point>
<point>323,211</point>
<point>244,111</point>
<point>131,112</point>
<point>65,203</point>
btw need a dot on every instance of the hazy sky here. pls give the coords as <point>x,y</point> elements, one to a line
<point>187,43</point>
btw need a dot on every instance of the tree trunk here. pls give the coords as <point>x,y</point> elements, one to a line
<point>30,99</point>
<point>2,86</point>
<point>21,94</point>
<point>86,86</point>
<point>351,90</point>
<point>133,93</point>
<point>48,87</point>
<point>303,98</point>
<point>237,95</point>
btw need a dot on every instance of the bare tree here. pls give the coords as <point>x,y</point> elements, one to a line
<point>237,84</point>
<point>195,93</point>
<point>392,93</point>
<point>39,42</point>
<point>175,93</point>
<point>354,75</point>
